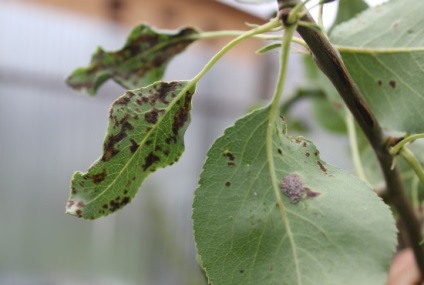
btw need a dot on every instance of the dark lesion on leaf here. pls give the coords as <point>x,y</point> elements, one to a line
<point>152,116</point>
<point>322,167</point>
<point>150,160</point>
<point>162,91</point>
<point>109,146</point>
<point>99,177</point>
<point>311,194</point>
<point>182,115</point>
<point>117,203</point>
<point>392,84</point>
<point>134,146</point>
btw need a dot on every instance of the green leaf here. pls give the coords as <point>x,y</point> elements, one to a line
<point>328,110</point>
<point>347,9</point>
<point>146,132</point>
<point>140,62</point>
<point>383,48</point>
<point>339,232</point>
<point>268,48</point>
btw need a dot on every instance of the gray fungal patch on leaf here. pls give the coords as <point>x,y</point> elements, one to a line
<point>75,208</point>
<point>292,187</point>
<point>311,194</point>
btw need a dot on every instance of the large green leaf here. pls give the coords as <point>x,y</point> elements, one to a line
<point>339,232</point>
<point>383,49</point>
<point>146,130</point>
<point>347,9</point>
<point>140,62</point>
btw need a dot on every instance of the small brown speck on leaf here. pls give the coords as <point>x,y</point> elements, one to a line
<point>392,84</point>
<point>310,193</point>
<point>322,167</point>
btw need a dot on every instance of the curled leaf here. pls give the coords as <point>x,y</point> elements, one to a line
<point>146,132</point>
<point>141,61</point>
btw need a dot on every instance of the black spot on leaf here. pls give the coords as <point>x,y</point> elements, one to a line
<point>152,116</point>
<point>134,146</point>
<point>379,82</point>
<point>392,84</point>
<point>182,115</point>
<point>228,183</point>
<point>99,177</point>
<point>124,100</point>
<point>150,160</point>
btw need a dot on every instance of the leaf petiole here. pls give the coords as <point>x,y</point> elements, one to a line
<point>413,162</point>
<point>396,149</point>
<point>258,30</point>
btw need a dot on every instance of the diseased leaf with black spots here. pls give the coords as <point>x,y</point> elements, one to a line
<point>383,49</point>
<point>140,62</point>
<point>146,132</point>
<point>331,226</point>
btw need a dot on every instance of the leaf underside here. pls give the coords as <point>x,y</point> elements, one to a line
<point>146,132</point>
<point>383,49</point>
<point>339,232</point>
<point>140,62</point>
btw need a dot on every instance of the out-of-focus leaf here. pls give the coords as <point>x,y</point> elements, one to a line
<point>329,110</point>
<point>383,49</point>
<point>140,62</point>
<point>347,9</point>
<point>268,48</point>
<point>146,132</point>
<point>339,232</point>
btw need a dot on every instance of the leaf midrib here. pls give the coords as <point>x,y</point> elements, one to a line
<point>371,50</point>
